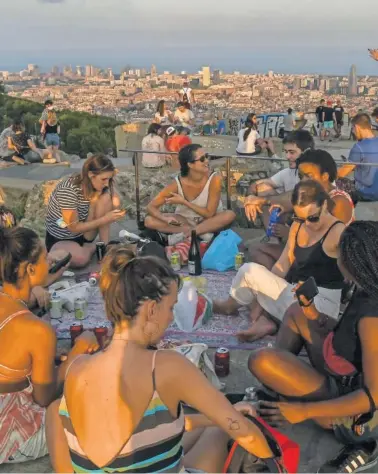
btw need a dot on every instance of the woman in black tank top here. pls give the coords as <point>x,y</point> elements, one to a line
<point>341,390</point>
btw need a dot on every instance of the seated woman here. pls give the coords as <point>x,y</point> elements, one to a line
<point>311,250</point>
<point>342,383</point>
<point>29,380</point>
<point>163,115</point>
<point>250,143</point>
<point>21,147</point>
<point>82,206</point>
<point>197,194</point>
<point>153,142</point>
<point>133,421</point>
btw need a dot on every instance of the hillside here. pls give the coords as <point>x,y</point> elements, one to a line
<point>81,132</point>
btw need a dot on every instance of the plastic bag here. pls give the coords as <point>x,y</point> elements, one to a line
<point>196,353</point>
<point>193,309</point>
<point>221,254</point>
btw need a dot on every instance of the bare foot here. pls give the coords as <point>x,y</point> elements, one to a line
<point>261,328</point>
<point>227,307</point>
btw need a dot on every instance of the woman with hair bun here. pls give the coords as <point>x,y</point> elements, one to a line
<point>132,419</point>
<point>29,380</point>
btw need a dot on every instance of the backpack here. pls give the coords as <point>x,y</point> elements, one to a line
<point>185,96</point>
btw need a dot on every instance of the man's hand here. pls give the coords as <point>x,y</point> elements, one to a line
<point>278,412</point>
<point>281,231</point>
<point>253,205</point>
<point>246,409</point>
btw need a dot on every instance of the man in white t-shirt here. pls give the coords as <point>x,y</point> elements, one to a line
<point>183,117</point>
<point>186,94</point>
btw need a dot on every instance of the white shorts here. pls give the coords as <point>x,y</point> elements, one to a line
<point>275,294</point>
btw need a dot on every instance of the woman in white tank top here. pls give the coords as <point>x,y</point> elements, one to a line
<point>197,196</point>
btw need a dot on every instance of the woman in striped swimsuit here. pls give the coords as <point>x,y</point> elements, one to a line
<point>121,409</point>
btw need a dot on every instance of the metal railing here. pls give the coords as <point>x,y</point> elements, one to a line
<point>229,170</point>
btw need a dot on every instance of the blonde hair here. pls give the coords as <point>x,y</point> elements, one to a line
<point>51,117</point>
<point>2,195</point>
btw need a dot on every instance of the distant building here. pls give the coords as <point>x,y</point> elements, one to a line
<point>297,83</point>
<point>271,74</point>
<point>79,71</point>
<point>88,70</point>
<point>216,76</point>
<point>206,76</point>
<point>352,85</point>
<point>153,70</point>
<point>55,71</point>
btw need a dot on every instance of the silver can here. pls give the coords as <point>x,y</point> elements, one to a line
<point>81,309</point>
<point>176,261</point>
<point>56,307</point>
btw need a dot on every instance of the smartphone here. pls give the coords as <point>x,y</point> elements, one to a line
<point>309,290</point>
<point>175,223</point>
<point>60,264</point>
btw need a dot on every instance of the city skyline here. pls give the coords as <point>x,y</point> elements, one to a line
<point>239,36</point>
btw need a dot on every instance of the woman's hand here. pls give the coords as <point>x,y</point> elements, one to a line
<point>308,307</point>
<point>42,296</point>
<point>115,215</point>
<point>246,409</point>
<point>175,199</point>
<point>86,343</point>
<point>280,411</point>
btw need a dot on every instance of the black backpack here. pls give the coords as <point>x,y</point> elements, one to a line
<point>185,97</point>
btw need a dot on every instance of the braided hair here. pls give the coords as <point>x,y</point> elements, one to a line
<point>359,254</point>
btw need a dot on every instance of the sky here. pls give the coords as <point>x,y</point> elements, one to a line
<point>290,36</point>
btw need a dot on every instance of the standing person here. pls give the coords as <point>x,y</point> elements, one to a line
<point>249,141</point>
<point>153,142</point>
<point>311,251</point>
<point>82,206</point>
<point>52,139</point>
<point>135,421</point>
<point>319,116</point>
<point>29,380</point>
<point>186,95</point>
<point>21,147</point>
<point>365,150</point>
<point>339,389</point>
<point>339,115</point>
<point>49,105</point>
<point>197,195</point>
<point>184,117</point>
<point>163,116</point>
<point>288,122</point>
<point>329,119</point>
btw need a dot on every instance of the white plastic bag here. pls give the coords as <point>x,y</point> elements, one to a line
<point>193,309</point>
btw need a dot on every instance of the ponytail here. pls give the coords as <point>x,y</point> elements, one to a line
<point>249,125</point>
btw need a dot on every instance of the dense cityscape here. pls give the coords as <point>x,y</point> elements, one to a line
<point>132,94</point>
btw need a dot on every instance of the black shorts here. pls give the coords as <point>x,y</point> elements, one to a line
<point>50,241</point>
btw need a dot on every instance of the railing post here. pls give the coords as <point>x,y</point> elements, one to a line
<point>228,177</point>
<point>137,189</point>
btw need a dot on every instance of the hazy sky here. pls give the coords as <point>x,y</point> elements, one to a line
<point>249,35</point>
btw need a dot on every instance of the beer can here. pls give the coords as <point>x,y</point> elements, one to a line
<point>239,260</point>
<point>94,278</point>
<point>101,332</point>
<point>176,261</point>
<point>100,250</point>
<point>222,362</point>
<point>56,306</point>
<point>81,308</point>
<point>75,330</point>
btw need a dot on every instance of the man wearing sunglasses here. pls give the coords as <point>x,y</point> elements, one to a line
<point>196,193</point>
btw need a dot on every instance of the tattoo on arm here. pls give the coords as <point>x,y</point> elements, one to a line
<point>233,425</point>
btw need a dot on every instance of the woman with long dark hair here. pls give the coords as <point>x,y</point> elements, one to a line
<point>197,195</point>
<point>132,420</point>
<point>82,206</point>
<point>250,143</point>
<point>153,142</point>
<point>339,390</point>
<point>163,115</point>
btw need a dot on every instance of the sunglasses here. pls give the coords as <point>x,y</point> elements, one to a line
<point>312,219</point>
<point>202,158</point>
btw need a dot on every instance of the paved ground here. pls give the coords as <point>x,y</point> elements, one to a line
<point>316,444</point>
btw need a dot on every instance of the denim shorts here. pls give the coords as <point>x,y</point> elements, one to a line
<point>52,139</point>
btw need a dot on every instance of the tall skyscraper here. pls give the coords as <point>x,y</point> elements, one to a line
<point>206,77</point>
<point>216,76</point>
<point>79,71</point>
<point>88,70</point>
<point>153,70</point>
<point>352,86</point>
<point>55,71</point>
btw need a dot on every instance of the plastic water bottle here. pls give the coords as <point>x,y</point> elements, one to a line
<point>273,219</point>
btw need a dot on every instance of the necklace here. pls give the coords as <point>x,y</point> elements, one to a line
<point>14,299</point>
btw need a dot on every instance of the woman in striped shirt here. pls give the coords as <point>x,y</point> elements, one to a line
<point>82,206</point>
<point>121,409</point>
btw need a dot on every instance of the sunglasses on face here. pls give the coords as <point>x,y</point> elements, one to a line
<point>312,219</point>
<point>202,158</point>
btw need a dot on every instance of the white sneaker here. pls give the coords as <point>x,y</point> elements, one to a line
<point>174,239</point>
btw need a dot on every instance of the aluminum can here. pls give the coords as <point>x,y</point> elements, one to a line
<point>56,307</point>
<point>101,332</point>
<point>75,331</point>
<point>100,250</point>
<point>94,278</point>
<point>176,261</point>
<point>239,260</point>
<point>273,219</point>
<point>222,362</point>
<point>81,308</point>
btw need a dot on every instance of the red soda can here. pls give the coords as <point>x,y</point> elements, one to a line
<point>203,247</point>
<point>94,278</point>
<point>222,362</point>
<point>101,333</point>
<point>75,331</point>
